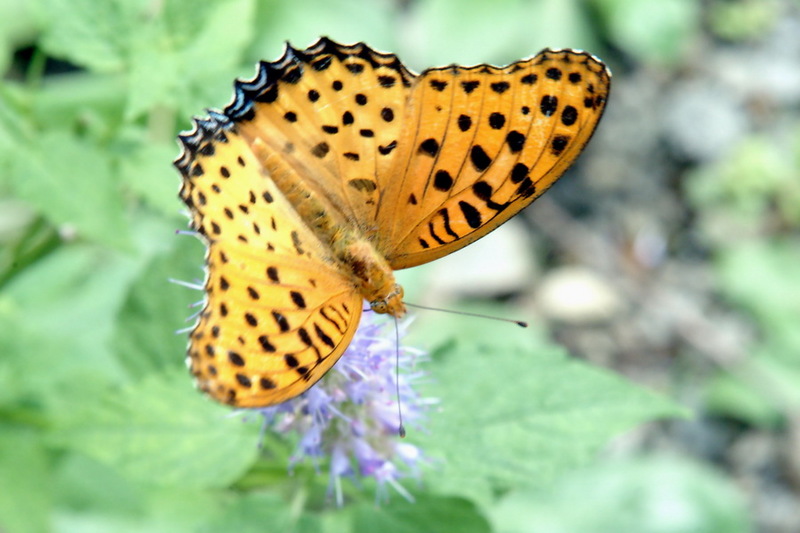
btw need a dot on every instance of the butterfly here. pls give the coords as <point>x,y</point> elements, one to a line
<point>336,165</point>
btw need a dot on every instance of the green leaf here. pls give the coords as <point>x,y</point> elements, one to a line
<point>56,319</point>
<point>772,375</point>
<point>216,47</point>
<point>84,484</point>
<point>145,338</point>
<point>147,170</point>
<point>732,397</point>
<point>253,512</point>
<point>77,102</point>
<point>96,497</point>
<point>162,432</point>
<point>17,24</point>
<point>655,495</point>
<point>14,124</point>
<point>447,29</point>
<point>95,35</point>
<point>154,77</point>
<point>516,411</point>
<point>183,20</point>
<point>71,183</point>
<point>25,492</point>
<point>432,514</point>
<point>180,56</point>
<point>762,277</point>
<point>653,31</point>
<point>24,238</point>
<point>344,21</point>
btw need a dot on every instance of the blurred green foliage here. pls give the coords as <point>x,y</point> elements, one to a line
<point>648,495</point>
<point>100,428</point>
<point>744,19</point>
<point>749,214</point>
<point>656,32</point>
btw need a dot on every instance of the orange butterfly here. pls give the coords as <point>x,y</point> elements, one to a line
<point>335,166</point>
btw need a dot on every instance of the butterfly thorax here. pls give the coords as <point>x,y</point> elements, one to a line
<point>373,274</point>
<point>369,271</point>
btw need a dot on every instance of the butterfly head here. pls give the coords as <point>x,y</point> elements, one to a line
<point>391,304</point>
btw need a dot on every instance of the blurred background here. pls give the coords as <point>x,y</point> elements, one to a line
<point>668,255</point>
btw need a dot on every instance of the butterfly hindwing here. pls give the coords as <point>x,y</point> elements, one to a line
<point>278,311</point>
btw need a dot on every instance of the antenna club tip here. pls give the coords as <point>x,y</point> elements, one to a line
<point>401,431</point>
<point>522,324</point>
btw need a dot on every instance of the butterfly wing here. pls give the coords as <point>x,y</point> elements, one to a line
<point>481,143</point>
<point>279,312</point>
<point>334,112</point>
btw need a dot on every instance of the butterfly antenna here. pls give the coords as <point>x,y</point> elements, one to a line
<point>520,323</point>
<point>401,430</point>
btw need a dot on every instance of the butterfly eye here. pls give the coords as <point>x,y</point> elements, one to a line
<point>379,306</point>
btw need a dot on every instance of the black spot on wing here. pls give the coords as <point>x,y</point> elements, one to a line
<point>515,140</point>
<point>281,321</point>
<point>324,337</point>
<point>387,81</point>
<point>479,158</point>
<point>500,87</point>
<point>266,345</point>
<point>548,105</point>
<point>298,299</point>
<point>559,143</point>
<point>569,115</point>
<point>446,223</point>
<point>320,150</point>
<point>472,215</point>
<point>497,121</point>
<point>429,147</point>
<point>470,86</point>
<point>553,73</point>
<point>442,181</point>
<point>363,185</point>
<point>386,150</point>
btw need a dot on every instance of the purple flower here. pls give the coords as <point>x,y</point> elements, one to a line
<point>350,417</point>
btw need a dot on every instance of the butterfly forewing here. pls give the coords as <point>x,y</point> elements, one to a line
<point>481,143</point>
<point>335,114</point>
<point>278,312</point>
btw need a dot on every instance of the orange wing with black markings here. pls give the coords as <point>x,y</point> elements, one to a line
<point>335,165</point>
<point>482,143</point>
<point>279,310</point>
